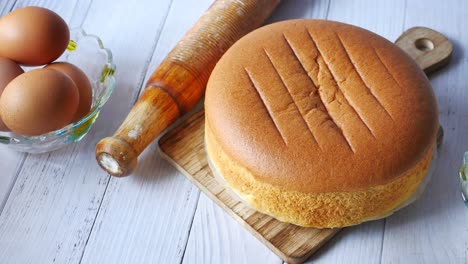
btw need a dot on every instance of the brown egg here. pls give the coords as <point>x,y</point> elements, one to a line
<point>81,82</point>
<point>39,101</point>
<point>33,36</point>
<point>8,71</point>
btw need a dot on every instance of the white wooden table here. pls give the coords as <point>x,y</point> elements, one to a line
<point>61,207</point>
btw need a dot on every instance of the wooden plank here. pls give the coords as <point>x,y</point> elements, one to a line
<point>212,224</point>
<point>184,148</point>
<point>79,13</point>
<point>216,237</point>
<point>144,218</point>
<point>433,230</point>
<point>359,244</point>
<point>65,10</point>
<point>155,206</point>
<point>52,207</point>
<point>385,18</point>
<point>6,6</point>
<point>10,164</point>
<point>300,9</point>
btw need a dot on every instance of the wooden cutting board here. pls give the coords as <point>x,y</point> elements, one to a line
<point>183,147</point>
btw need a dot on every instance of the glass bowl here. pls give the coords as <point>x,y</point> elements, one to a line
<point>463,178</point>
<point>89,54</point>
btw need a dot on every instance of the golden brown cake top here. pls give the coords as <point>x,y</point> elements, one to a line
<point>320,106</point>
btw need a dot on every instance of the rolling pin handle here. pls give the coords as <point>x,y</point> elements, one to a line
<point>150,116</point>
<point>116,156</point>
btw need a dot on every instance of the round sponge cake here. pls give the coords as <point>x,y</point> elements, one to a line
<point>319,123</point>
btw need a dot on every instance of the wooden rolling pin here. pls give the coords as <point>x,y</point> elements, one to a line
<point>180,80</point>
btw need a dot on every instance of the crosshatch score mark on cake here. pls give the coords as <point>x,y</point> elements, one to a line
<point>270,115</point>
<point>355,68</point>
<point>339,88</point>
<point>338,91</point>
<point>315,92</point>
<point>385,66</point>
<point>288,92</point>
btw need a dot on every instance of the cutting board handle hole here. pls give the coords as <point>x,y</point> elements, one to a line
<point>424,44</point>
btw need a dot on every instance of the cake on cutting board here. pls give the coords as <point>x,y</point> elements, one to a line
<point>320,123</point>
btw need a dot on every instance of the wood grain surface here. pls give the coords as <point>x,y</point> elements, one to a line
<point>61,206</point>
